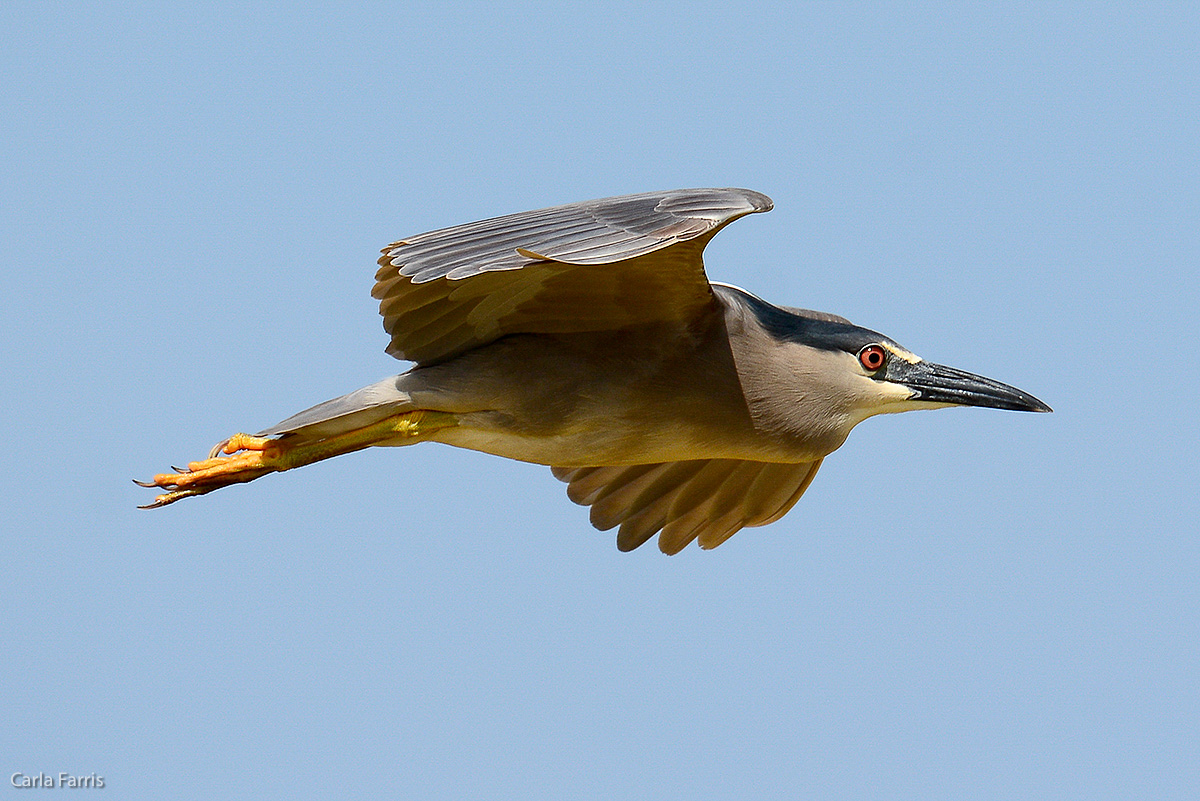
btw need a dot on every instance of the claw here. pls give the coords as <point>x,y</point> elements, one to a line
<point>239,459</point>
<point>171,497</point>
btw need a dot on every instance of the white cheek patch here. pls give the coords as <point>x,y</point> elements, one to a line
<point>891,393</point>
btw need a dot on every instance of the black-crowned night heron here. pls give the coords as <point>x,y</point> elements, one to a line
<point>587,337</point>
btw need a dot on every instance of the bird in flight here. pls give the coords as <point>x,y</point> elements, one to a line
<point>588,338</point>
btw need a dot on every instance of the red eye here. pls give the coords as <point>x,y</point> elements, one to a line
<point>872,357</point>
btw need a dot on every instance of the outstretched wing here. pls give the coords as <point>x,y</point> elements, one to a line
<point>709,500</point>
<point>590,266</point>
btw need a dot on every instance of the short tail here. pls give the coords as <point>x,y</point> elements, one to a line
<point>358,409</point>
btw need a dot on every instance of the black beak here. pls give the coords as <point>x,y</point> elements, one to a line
<point>937,383</point>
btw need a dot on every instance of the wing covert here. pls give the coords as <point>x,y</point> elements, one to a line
<point>586,266</point>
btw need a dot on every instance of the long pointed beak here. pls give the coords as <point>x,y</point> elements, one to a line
<point>936,383</point>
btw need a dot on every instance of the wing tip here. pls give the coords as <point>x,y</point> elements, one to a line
<point>723,204</point>
<point>757,200</point>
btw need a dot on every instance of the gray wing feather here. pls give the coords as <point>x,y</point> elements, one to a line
<point>705,500</point>
<point>453,289</point>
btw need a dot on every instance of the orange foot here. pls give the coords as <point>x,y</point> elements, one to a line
<point>245,459</point>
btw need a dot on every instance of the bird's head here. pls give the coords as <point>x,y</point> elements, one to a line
<point>828,375</point>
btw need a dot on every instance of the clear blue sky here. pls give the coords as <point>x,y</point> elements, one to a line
<point>966,604</point>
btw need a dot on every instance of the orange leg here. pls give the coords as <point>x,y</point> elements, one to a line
<point>243,457</point>
<point>247,458</point>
